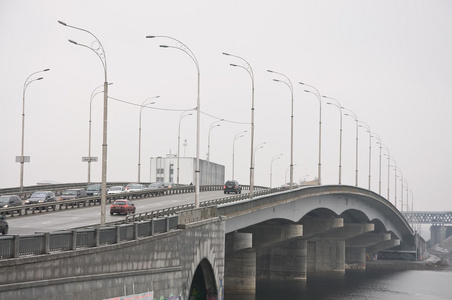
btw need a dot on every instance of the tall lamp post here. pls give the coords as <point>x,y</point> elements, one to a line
<point>182,47</point>
<point>26,83</point>
<point>237,136</point>
<point>285,176</point>
<point>143,105</point>
<point>89,158</point>
<point>395,181</point>
<point>212,126</point>
<point>278,156</point>
<point>247,68</point>
<point>379,168</point>
<point>389,165</point>
<point>183,115</point>
<point>338,105</point>
<point>261,145</point>
<point>290,86</point>
<point>353,115</point>
<point>100,52</point>
<point>319,97</point>
<point>364,125</point>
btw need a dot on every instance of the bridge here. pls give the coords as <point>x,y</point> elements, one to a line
<point>224,247</point>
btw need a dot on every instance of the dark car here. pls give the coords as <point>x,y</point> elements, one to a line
<point>156,186</point>
<point>41,197</point>
<point>3,225</point>
<point>72,194</point>
<point>8,201</point>
<point>94,189</point>
<point>122,207</point>
<point>232,186</point>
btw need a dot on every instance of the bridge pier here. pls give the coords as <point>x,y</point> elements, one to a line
<point>437,234</point>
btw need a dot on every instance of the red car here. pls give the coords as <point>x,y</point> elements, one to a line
<point>122,207</point>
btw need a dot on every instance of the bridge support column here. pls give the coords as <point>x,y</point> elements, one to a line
<point>286,261</point>
<point>355,258</point>
<point>240,265</point>
<point>326,256</point>
<point>437,234</point>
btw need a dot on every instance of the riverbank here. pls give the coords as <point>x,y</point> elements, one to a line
<point>440,259</point>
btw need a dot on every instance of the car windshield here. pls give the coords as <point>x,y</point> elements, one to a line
<point>115,188</point>
<point>119,203</point>
<point>93,188</point>
<point>135,186</point>
<point>155,185</point>
<point>4,199</point>
<point>70,192</point>
<point>38,195</point>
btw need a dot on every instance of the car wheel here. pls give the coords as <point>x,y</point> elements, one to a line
<point>5,231</point>
<point>111,214</point>
<point>134,210</point>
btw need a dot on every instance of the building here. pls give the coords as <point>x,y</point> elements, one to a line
<point>164,169</point>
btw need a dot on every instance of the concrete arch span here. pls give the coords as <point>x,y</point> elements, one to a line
<point>203,285</point>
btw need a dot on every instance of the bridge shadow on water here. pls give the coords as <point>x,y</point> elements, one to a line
<point>353,285</point>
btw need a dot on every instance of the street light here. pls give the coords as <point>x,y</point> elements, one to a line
<point>143,105</point>
<point>278,156</point>
<point>213,125</point>
<point>183,115</point>
<point>290,86</point>
<point>182,47</point>
<point>285,176</point>
<point>395,181</point>
<point>247,67</point>
<point>370,147</point>
<point>100,52</point>
<point>259,147</point>
<point>353,115</point>
<point>389,164</point>
<point>93,94</point>
<point>237,136</point>
<point>317,94</point>
<point>26,83</point>
<point>338,105</point>
<point>379,170</point>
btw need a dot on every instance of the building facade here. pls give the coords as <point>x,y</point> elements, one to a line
<point>165,169</point>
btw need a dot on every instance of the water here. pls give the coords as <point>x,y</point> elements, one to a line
<point>385,285</point>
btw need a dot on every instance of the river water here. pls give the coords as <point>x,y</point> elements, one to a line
<point>371,284</point>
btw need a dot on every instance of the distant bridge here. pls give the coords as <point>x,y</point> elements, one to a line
<point>436,218</point>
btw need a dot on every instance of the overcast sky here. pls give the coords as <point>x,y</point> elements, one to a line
<point>387,61</point>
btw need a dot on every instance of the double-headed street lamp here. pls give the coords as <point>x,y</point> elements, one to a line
<point>212,126</point>
<point>26,83</point>
<point>247,68</point>
<point>338,105</point>
<point>353,115</point>
<point>143,105</point>
<point>364,125</point>
<point>319,97</point>
<point>237,136</point>
<point>278,156</point>
<point>183,115</point>
<point>379,168</point>
<point>290,86</point>
<point>100,52</point>
<point>260,146</point>
<point>389,165</point>
<point>182,47</point>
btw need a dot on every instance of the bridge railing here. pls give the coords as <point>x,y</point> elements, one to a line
<point>53,242</point>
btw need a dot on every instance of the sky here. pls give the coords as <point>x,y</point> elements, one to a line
<point>387,61</point>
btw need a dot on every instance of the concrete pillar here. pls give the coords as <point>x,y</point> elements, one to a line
<point>240,273</point>
<point>355,258</point>
<point>437,234</point>
<point>326,256</point>
<point>286,261</point>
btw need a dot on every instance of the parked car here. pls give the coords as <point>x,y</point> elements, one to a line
<point>155,186</point>
<point>122,207</point>
<point>10,201</point>
<point>3,225</point>
<point>232,186</point>
<point>133,187</point>
<point>41,197</point>
<point>73,193</point>
<point>94,189</point>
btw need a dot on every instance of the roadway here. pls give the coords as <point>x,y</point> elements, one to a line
<point>86,216</point>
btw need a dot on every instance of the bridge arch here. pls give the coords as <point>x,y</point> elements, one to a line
<point>203,285</point>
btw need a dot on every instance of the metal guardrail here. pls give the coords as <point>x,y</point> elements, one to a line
<point>54,242</point>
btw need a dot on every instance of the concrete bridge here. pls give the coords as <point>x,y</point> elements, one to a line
<point>223,248</point>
